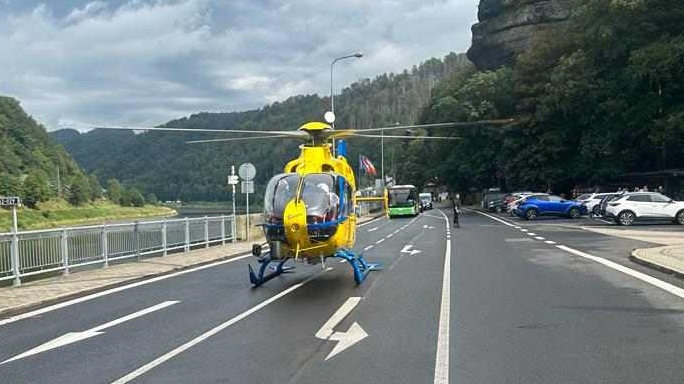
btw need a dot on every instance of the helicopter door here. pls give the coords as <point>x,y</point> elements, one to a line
<point>281,189</point>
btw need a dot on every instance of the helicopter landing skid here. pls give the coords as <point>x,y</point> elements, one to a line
<point>359,265</point>
<point>261,277</point>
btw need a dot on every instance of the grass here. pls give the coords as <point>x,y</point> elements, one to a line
<point>52,214</point>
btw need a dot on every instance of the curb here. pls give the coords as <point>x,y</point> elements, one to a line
<point>634,257</point>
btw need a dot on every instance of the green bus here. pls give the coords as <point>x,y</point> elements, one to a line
<point>403,200</point>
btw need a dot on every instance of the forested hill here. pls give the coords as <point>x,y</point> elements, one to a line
<point>30,161</point>
<point>163,164</point>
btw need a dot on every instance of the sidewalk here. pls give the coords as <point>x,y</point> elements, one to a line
<point>43,292</point>
<point>39,293</point>
<point>668,258</point>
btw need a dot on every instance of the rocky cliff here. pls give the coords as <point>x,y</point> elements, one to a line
<point>508,27</point>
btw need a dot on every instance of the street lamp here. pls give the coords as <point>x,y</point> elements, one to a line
<point>332,96</point>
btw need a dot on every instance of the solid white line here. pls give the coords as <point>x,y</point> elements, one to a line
<point>497,219</point>
<point>161,359</point>
<point>679,292</point>
<point>114,290</point>
<point>442,357</point>
<point>371,221</point>
<point>539,238</point>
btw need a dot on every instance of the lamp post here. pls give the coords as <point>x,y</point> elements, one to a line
<point>332,96</point>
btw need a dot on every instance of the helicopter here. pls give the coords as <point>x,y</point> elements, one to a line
<point>309,209</point>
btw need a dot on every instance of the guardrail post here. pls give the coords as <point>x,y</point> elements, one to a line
<point>136,239</point>
<point>14,257</point>
<point>105,251</point>
<point>65,250</point>
<point>187,235</point>
<point>223,230</point>
<point>233,229</point>
<point>206,232</point>
<point>164,245</point>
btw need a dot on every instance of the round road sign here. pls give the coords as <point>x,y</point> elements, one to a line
<point>247,171</point>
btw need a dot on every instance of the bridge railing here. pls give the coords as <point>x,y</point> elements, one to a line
<point>29,253</point>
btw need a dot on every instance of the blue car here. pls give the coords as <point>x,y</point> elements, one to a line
<point>543,205</point>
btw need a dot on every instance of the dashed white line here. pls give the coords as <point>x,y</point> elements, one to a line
<point>531,233</point>
<point>539,238</point>
<point>550,242</point>
<point>390,235</point>
<point>368,247</point>
<point>524,230</point>
<point>379,241</point>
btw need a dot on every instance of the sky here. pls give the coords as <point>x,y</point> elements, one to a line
<point>144,62</point>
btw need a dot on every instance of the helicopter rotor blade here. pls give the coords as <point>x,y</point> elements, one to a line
<point>202,130</point>
<point>407,137</point>
<point>235,139</point>
<point>504,122</point>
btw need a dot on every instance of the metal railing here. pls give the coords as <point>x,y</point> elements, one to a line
<point>29,253</point>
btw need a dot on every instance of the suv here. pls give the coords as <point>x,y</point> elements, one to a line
<point>532,206</point>
<point>425,201</point>
<point>644,206</point>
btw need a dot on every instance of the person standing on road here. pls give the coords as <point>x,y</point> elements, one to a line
<point>455,204</point>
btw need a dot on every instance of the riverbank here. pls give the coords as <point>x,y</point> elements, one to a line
<point>53,214</point>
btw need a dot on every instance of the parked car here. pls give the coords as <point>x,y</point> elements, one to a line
<point>603,204</point>
<point>635,206</point>
<point>537,205</point>
<point>592,201</point>
<point>516,199</point>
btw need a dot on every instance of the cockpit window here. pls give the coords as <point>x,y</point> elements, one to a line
<point>280,190</point>
<point>319,195</point>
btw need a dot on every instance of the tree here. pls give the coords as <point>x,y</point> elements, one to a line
<point>135,197</point>
<point>152,199</point>
<point>114,191</point>
<point>36,188</point>
<point>9,185</point>
<point>95,187</point>
<point>80,190</point>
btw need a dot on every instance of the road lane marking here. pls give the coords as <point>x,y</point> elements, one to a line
<point>501,221</point>
<point>390,235</point>
<point>171,354</point>
<point>679,292</point>
<point>550,242</point>
<point>407,249</point>
<point>524,230</point>
<point>379,241</point>
<point>344,339</point>
<point>539,238</point>
<point>73,337</point>
<point>373,229</point>
<point>117,289</point>
<point>367,248</point>
<point>442,355</point>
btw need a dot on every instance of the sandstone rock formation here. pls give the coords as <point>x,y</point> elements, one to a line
<point>508,27</point>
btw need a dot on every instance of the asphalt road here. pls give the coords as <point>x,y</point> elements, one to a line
<point>550,304</point>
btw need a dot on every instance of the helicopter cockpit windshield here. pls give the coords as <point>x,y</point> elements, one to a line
<point>280,190</point>
<point>319,195</point>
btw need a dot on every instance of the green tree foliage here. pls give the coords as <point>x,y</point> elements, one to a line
<point>9,185</point>
<point>132,197</point>
<point>26,147</point>
<point>80,192</point>
<point>95,187</point>
<point>152,199</point>
<point>595,100</point>
<point>35,187</point>
<point>114,191</point>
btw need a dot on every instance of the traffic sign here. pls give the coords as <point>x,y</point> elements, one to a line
<point>233,179</point>
<point>247,171</point>
<point>247,186</point>
<point>9,201</point>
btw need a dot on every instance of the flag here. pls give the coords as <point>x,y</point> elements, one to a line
<point>367,166</point>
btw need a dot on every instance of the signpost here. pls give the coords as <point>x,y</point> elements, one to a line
<point>232,181</point>
<point>247,171</point>
<point>14,202</point>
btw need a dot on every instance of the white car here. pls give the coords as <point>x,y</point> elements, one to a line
<point>645,206</point>
<point>592,200</point>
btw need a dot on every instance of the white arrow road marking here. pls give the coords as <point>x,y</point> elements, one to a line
<point>344,339</point>
<point>73,337</point>
<point>373,229</point>
<point>407,249</point>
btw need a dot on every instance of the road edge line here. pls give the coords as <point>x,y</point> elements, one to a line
<point>442,354</point>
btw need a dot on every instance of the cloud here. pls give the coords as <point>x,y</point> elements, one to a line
<point>149,61</point>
